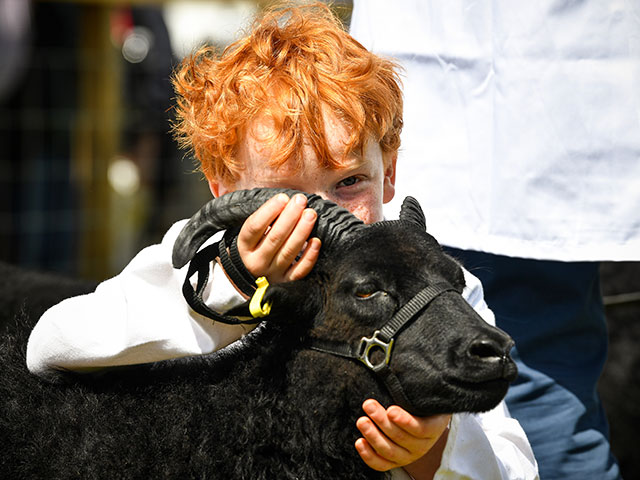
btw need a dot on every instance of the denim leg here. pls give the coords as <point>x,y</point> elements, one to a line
<point>553,311</point>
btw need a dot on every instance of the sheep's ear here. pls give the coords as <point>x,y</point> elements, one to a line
<point>410,211</point>
<point>293,301</point>
<point>288,301</point>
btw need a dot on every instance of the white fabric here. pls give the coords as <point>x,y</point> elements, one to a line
<point>140,316</point>
<point>522,122</point>
<point>487,446</point>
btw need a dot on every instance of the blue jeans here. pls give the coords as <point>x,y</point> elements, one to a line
<point>553,311</point>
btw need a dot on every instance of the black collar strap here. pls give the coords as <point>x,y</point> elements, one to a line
<point>200,264</point>
<point>383,339</point>
<point>233,265</point>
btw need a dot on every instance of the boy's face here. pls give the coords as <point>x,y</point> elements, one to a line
<point>361,185</point>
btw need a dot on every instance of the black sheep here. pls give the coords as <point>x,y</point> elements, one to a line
<point>273,404</point>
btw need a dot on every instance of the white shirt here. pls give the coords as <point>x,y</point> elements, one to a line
<point>141,316</point>
<point>522,122</point>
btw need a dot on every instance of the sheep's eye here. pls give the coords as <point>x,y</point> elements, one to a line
<point>364,294</point>
<point>369,293</point>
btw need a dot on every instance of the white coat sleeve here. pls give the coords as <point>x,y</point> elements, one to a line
<point>487,446</point>
<point>138,316</point>
<point>484,446</point>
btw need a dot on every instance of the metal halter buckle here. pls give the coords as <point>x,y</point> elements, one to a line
<point>368,343</point>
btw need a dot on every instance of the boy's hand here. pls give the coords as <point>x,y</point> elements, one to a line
<point>394,438</point>
<point>273,236</point>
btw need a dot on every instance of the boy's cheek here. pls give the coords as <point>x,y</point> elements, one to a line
<point>368,210</point>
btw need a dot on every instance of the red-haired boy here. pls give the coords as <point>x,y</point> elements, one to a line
<point>296,103</point>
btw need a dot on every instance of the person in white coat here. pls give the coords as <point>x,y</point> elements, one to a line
<point>296,103</point>
<point>522,139</point>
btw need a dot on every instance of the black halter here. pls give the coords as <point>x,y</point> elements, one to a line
<point>383,339</point>
<point>233,266</point>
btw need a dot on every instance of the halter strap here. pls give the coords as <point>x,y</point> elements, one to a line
<point>381,339</point>
<point>200,264</point>
<point>384,339</point>
<point>233,265</point>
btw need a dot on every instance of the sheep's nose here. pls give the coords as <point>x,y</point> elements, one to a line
<point>488,349</point>
<point>489,357</point>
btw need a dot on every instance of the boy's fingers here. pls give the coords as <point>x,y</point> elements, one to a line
<point>420,427</point>
<point>266,230</point>
<point>392,433</point>
<point>294,244</point>
<point>255,226</point>
<point>379,415</point>
<point>371,458</point>
<point>307,260</point>
<point>381,443</point>
<point>283,226</point>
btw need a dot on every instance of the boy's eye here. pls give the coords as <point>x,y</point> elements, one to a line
<point>347,182</point>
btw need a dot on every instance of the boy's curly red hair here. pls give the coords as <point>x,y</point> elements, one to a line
<point>295,63</point>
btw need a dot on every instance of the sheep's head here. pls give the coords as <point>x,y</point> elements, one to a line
<point>443,357</point>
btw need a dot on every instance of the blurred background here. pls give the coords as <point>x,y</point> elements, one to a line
<point>89,172</point>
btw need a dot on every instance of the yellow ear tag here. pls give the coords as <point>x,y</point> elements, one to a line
<point>255,305</point>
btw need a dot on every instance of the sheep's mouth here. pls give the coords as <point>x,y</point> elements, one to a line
<point>460,395</point>
<point>489,385</point>
<point>479,396</point>
<point>491,374</point>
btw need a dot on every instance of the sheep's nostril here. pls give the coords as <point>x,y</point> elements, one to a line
<point>487,349</point>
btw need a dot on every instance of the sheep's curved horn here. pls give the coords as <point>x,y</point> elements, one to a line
<point>411,211</point>
<point>232,209</point>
